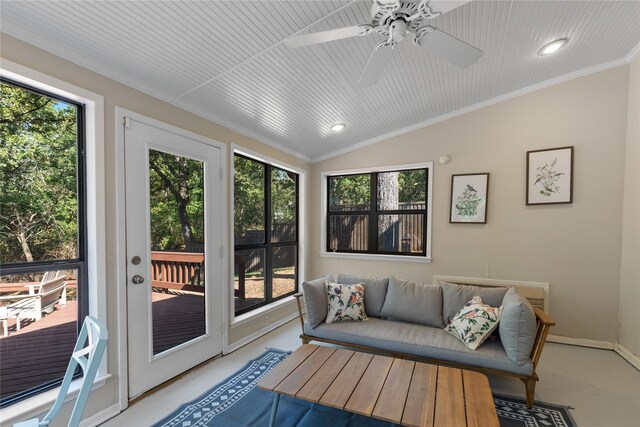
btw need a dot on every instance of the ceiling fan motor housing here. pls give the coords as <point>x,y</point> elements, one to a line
<point>382,19</point>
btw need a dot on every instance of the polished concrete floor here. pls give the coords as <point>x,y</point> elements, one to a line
<point>603,388</point>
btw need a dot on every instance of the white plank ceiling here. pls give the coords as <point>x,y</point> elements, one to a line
<point>225,60</point>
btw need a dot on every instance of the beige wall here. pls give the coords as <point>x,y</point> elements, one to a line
<point>116,94</point>
<point>574,247</point>
<point>630,265</point>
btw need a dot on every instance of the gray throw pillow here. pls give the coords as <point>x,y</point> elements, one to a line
<point>454,297</point>
<point>375,291</point>
<point>315,299</point>
<point>517,327</point>
<point>413,302</point>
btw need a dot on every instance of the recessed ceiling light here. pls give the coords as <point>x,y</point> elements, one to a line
<point>338,127</point>
<point>552,47</point>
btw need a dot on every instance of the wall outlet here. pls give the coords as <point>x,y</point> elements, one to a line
<point>266,320</point>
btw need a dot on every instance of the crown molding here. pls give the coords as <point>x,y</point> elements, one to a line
<point>635,52</point>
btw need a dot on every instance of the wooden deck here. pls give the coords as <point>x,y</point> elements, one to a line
<point>40,351</point>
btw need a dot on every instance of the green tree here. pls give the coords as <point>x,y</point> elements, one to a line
<point>38,157</point>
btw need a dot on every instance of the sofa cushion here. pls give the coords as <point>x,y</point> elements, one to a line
<point>419,340</point>
<point>315,299</point>
<point>518,327</point>
<point>474,322</point>
<point>346,302</point>
<point>375,291</point>
<point>454,297</point>
<point>413,302</point>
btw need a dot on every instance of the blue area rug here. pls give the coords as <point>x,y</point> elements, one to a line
<point>237,402</point>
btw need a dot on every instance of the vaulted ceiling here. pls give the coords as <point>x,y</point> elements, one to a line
<point>226,60</point>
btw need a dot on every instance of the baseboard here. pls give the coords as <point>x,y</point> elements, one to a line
<point>606,345</point>
<point>627,355</point>
<point>254,336</point>
<point>101,416</point>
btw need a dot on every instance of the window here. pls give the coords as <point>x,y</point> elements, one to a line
<point>43,245</point>
<point>266,231</point>
<point>383,212</point>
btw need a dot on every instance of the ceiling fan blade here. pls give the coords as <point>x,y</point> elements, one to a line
<point>450,48</point>
<point>444,6</point>
<point>327,36</point>
<point>377,62</point>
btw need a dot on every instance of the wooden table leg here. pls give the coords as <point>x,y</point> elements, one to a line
<point>274,409</point>
<point>5,327</point>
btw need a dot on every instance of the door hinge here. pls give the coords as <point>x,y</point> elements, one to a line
<point>221,251</point>
<point>126,121</point>
<point>221,174</point>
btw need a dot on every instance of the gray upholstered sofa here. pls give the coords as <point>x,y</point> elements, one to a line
<point>406,319</point>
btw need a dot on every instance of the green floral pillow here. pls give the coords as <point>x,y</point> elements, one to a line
<point>346,302</point>
<point>474,322</point>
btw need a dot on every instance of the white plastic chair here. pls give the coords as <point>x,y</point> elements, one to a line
<point>87,354</point>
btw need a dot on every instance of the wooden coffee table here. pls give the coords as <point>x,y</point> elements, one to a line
<point>396,390</point>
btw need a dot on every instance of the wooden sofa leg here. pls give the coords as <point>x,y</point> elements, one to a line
<point>305,341</point>
<point>530,388</point>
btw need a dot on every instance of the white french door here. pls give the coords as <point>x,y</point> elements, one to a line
<point>174,237</point>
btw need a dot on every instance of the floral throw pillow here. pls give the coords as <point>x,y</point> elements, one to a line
<point>346,302</point>
<point>474,322</point>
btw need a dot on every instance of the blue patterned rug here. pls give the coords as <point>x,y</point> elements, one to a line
<point>237,402</point>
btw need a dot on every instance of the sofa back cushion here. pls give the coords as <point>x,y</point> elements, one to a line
<point>413,302</point>
<point>375,291</point>
<point>315,299</point>
<point>454,297</point>
<point>517,327</point>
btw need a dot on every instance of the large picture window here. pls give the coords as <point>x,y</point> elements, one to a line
<point>43,247</point>
<point>378,212</point>
<point>265,233</point>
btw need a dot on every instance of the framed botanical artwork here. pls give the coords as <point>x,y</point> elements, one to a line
<point>550,176</point>
<point>469,198</point>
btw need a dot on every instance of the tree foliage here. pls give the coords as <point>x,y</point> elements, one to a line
<point>38,158</point>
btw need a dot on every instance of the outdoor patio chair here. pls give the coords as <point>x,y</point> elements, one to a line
<point>87,354</point>
<point>42,298</point>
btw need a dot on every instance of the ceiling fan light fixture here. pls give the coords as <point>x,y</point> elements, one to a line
<point>338,127</point>
<point>552,47</point>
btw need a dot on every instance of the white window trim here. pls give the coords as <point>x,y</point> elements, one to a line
<point>235,321</point>
<point>95,198</point>
<point>376,257</point>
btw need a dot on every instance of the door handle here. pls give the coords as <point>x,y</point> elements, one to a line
<point>137,279</point>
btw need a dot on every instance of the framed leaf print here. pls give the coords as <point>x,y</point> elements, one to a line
<point>550,176</point>
<point>469,198</point>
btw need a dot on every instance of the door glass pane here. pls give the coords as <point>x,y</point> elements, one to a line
<point>348,233</point>
<point>401,233</point>
<point>37,346</point>
<point>249,280</point>
<point>249,201</point>
<point>284,270</point>
<point>402,190</point>
<point>349,193</point>
<point>283,205</point>
<point>177,216</point>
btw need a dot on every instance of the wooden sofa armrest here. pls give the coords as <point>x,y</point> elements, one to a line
<point>543,317</point>
<point>299,296</point>
<point>545,322</point>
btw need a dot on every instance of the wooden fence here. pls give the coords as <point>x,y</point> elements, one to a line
<point>404,234</point>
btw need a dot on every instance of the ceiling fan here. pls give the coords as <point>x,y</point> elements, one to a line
<point>394,20</point>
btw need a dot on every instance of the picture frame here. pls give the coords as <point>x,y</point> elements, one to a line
<point>469,196</point>
<point>550,176</point>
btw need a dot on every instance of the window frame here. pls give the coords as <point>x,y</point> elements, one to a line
<point>80,263</point>
<point>372,253</point>
<point>268,245</point>
<point>95,214</point>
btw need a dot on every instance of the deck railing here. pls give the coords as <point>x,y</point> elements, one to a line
<point>182,271</point>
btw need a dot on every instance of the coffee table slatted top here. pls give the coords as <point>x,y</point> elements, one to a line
<point>396,390</point>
